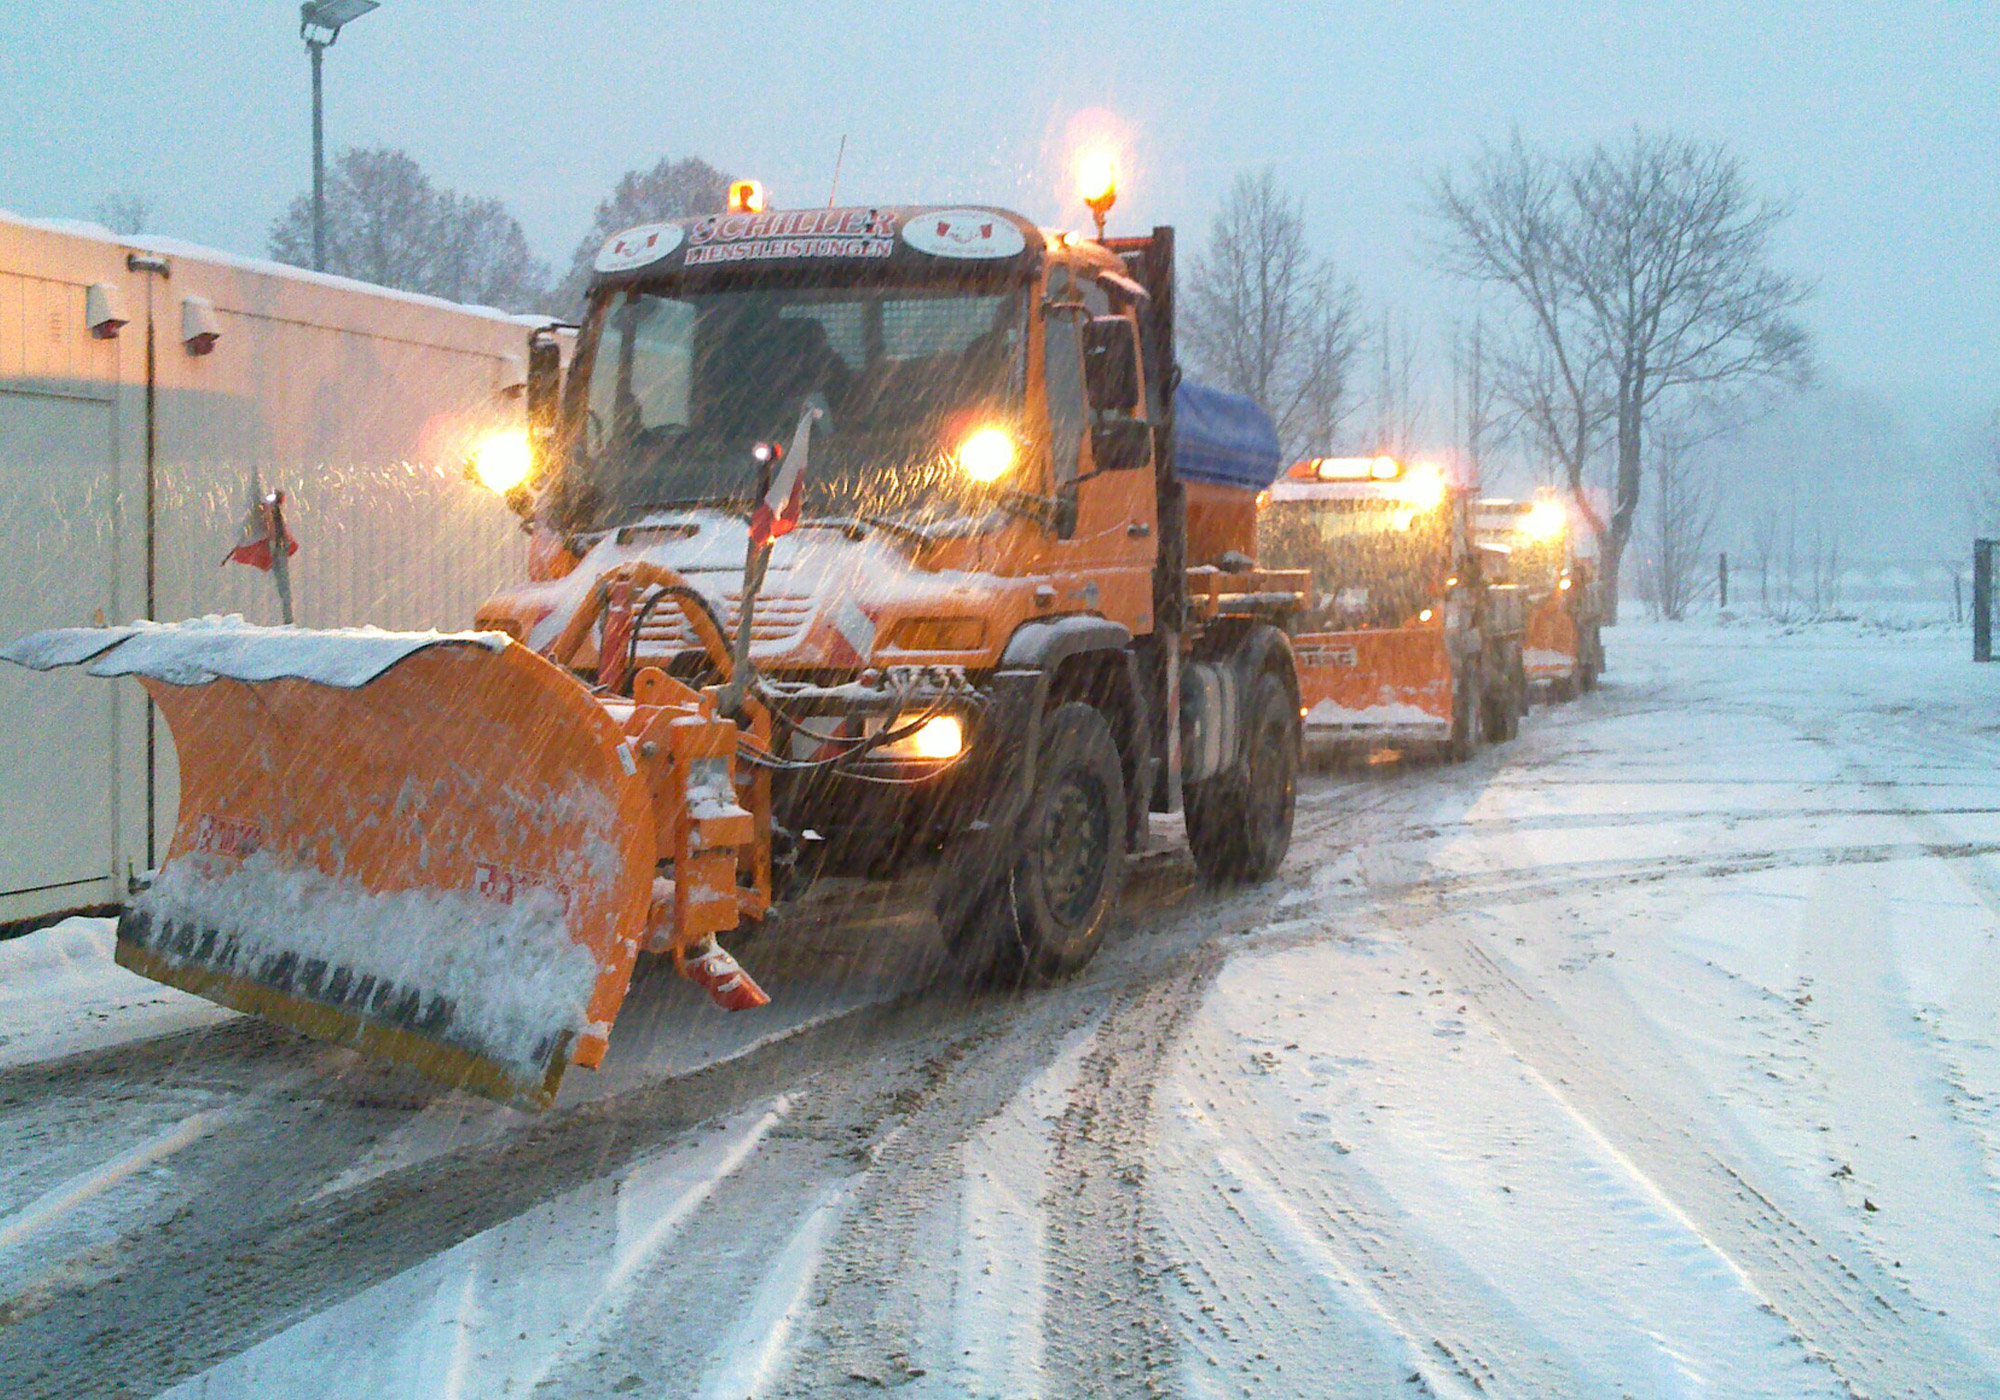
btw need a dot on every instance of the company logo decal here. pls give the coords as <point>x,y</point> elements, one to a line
<point>228,836</point>
<point>964,233</point>
<point>506,883</point>
<point>1328,656</point>
<point>636,247</point>
<point>792,233</point>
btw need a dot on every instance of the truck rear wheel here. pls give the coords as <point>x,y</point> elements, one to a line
<point>1239,822</point>
<point>1049,911</point>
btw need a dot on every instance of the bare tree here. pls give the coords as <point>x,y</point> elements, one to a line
<point>1264,317</point>
<point>1765,532</point>
<point>1823,564</point>
<point>1563,417</point>
<point>1680,528</point>
<point>1642,271</point>
<point>387,223</point>
<point>1671,257</point>
<point>123,213</point>
<point>1399,407</point>
<point>672,189</point>
<point>1506,224</point>
<point>482,256</point>
<point>1476,400</point>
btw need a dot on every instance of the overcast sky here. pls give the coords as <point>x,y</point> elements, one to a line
<point>1880,120</point>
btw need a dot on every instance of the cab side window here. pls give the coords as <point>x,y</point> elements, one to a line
<point>1062,368</point>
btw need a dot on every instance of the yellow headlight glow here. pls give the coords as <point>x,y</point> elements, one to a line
<point>502,462</point>
<point>1423,488</point>
<point>1545,520</point>
<point>941,737</point>
<point>987,455</point>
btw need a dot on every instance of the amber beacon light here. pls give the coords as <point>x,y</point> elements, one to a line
<point>1097,182</point>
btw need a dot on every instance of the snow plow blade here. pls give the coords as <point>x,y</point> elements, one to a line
<point>1389,684</point>
<point>432,849</point>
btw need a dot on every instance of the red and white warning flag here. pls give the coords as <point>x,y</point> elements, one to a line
<point>778,512</point>
<point>263,525</point>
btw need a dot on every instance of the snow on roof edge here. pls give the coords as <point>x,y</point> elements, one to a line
<point>177,247</point>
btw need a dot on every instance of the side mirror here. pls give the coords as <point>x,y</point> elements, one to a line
<point>544,389</point>
<point>1111,365</point>
<point>1121,444</point>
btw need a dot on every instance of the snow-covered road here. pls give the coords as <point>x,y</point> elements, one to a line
<point>1656,1053</point>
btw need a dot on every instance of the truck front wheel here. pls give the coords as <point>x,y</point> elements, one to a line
<point>1055,901</point>
<point>1464,713</point>
<point>1500,706</point>
<point>1592,659</point>
<point>1239,822</point>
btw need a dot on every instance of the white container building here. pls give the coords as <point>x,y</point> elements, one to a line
<point>142,382</point>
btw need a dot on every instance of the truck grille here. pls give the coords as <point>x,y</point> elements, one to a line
<point>781,620</point>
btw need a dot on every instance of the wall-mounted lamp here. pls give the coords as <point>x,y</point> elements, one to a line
<point>104,310</point>
<point>199,328</point>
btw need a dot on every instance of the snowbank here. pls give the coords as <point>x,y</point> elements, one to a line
<point>60,994</point>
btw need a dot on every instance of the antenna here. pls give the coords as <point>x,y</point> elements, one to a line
<point>839,155</point>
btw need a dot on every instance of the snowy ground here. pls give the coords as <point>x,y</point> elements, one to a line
<point>1656,1053</point>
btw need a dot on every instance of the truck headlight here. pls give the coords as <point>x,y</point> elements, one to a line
<point>939,738</point>
<point>502,462</point>
<point>986,455</point>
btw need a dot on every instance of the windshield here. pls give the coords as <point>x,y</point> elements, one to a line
<point>1537,563</point>
<point>1374,563</point>
<point>682,386</point>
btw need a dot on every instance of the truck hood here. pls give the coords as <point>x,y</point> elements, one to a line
<point>828,597</point>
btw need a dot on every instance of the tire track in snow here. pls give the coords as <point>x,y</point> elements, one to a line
<point>233,1275</point>
<point>1106,1329</point>
<point>1393,1301</point>
<point>884,1266</point>
<point>1838,1303</point>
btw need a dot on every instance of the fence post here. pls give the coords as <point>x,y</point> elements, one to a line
<point>1722,580</point>
<point>1982,600</point>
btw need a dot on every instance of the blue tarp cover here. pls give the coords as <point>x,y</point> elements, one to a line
<point>1224,439</point>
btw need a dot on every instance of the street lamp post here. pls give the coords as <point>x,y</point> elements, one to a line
<point>320,23</point>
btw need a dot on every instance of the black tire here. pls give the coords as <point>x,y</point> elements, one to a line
<point>1499,710</point>
<point>1464,716</point>
<point>1047,915</point>
<point>1592,659</point>
<point>1239,822</point>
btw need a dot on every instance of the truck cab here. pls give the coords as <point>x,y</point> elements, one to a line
<point>1562,645</point>
<point>1411,636</point>
<point>990,554</point>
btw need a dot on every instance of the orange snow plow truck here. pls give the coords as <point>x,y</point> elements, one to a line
<point>859,537</point>
<point>1412,637</point>
<point>1562,643</point>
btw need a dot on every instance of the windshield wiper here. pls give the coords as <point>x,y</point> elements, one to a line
<point>738,505</point>
<point>857,526</point>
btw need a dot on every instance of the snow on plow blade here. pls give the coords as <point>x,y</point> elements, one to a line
<point>428,847</point>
